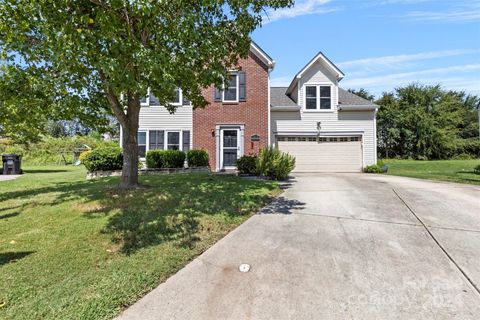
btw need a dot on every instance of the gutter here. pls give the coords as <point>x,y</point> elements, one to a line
<point>367,107</point>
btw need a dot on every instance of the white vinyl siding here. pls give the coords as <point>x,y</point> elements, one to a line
<point>158,118</point>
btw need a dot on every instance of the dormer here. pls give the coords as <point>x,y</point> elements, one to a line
<point>315,87</point>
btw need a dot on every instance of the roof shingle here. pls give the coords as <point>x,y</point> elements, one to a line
<point>278,98</point>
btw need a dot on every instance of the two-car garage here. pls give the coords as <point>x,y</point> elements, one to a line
<point>324,154</point>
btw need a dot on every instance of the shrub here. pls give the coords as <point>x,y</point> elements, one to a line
<point>197,158</point>
<point>476,170</point>
<point>52,150</point>
<point>463,156</point>
<point>274,164</point>
<point>247,164</point>
<point>83,156</point>
<point>374,168</point>
<point>103,159</point>
<point>161,159</point>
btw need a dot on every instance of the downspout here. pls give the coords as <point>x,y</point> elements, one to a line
<point>269,133</point>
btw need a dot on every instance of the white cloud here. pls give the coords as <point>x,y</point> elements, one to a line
<point>403,1</point>
<point>301,8</point>
<point>455,11</point>
<point>281,81</point>
<point>397,60</point>
<point>461,77</point>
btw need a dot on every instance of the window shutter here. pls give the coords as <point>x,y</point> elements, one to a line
<point>186,140</point>
<point>242,80</point>
<point>185,101</point>
<point>218,95</point>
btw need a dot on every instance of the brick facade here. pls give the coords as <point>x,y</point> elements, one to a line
<point>253,113</point>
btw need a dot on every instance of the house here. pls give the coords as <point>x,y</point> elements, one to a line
<point>324,126</point>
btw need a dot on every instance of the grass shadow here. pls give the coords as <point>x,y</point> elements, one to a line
<point>173,208</point>
<point>9,215</point>
<point>8,257</point>
<point>44,170</point>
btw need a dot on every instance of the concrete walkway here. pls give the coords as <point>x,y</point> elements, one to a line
<point>338,246</point>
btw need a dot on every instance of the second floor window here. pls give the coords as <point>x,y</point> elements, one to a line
<point>230,93</point>
<point>234,90</point>
<point>318,97</point>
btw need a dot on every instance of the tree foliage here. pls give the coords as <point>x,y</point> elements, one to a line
<point>80,56</point>
<point>427,122</point>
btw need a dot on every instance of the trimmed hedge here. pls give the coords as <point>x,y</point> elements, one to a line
<point>197,158</point>
<point>162,159</point>
<point>103,159</point>
<point>247,164</point>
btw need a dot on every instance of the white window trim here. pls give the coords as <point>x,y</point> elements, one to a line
<point>147,100</point>
<point>146,141</point>
<point>317,85</point>
<point>180,139</point>
<point>237,99</point>
<point>180,103</point>
<point>180,98</point>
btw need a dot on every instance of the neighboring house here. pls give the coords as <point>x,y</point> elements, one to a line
<point>325,127</point>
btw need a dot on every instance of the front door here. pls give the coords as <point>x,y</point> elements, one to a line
<point>230,148</point>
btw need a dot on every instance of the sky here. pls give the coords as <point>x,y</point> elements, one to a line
<point>378,44</point>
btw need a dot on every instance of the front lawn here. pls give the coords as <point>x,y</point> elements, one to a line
<point>445,170</point>
<point>77,249</point>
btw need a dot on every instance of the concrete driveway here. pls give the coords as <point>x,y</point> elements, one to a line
<point>338,246</point>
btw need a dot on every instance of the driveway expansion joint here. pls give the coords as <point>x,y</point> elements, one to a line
<point>449,256</point>
<point>359,219</point>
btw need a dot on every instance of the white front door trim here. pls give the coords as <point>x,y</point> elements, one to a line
<point>219,142</point>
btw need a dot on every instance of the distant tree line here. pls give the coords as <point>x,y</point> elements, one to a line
<point>426,122</point>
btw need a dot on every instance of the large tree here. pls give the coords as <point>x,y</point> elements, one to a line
<point>82,54</point>
<point>427,122</point>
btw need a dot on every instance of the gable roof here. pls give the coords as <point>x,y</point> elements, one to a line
<point>349,99</point>
<point>319,57</point>
<point>262,55</point>
<point>280,98</point>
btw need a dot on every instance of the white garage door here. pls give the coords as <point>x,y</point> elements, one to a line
<point>324,154</point>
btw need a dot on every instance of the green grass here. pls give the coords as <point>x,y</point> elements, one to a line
<point>77,249</point>
<point>444,170</point>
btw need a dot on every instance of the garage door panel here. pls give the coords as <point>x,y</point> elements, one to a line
<point>335,156</point>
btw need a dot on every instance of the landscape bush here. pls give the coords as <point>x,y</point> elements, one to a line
<point>374,168</point>
<point>104,159</point>
<point>162,159</point>
<point>274,164</point>
<point>247,165</point>
<point>476,170</point>
<point>51,150</point>
<point>197,158</point>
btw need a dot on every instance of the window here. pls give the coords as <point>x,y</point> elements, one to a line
<point>173,140</point>
<point>142,143</point>
<point>178,97</point>
<point>312,139</point>
<point>155,139</point>
<point>230,92</point>
<point>325,97</point>
<point>311,97</point>
<point>318,97</point>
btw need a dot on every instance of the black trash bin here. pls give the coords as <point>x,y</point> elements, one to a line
<point>12,163</point>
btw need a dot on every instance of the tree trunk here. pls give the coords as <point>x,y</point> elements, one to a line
<point>128,119</point>
<point>130,156</point>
